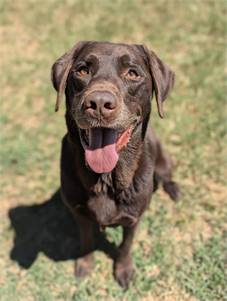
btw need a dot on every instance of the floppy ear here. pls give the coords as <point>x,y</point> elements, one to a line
<point>60,71</point>
<point>162,77</point>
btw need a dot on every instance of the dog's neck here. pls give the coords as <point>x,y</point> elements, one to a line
<point>128,162</point>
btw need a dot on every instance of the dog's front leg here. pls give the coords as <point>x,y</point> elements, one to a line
<point>123,266</point>
<point>84,264</point>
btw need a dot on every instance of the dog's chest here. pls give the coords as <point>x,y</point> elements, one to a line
<point>103,185</point>
<point>107,206</point>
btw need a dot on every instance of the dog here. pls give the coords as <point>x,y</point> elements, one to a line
<point>111,159</point>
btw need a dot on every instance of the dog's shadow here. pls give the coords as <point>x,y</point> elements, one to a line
<point>49,228</point>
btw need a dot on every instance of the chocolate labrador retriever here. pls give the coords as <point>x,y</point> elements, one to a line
<point>111,160</point>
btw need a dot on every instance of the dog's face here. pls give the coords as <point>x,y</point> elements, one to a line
<point>108,89</point>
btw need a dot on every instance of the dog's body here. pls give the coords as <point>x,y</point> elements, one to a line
<point>111,160</point>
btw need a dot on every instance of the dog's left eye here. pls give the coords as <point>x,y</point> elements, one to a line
<point>132,74</point>
<point>83,71</point>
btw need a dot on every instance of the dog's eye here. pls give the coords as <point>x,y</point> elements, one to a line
<point>83,71</point>
<point>132,74</point>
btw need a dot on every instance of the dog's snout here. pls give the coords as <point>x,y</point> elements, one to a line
<point>100,102</point>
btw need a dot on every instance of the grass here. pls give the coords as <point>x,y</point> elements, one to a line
<point>205,276</point>
<point>180,249</point>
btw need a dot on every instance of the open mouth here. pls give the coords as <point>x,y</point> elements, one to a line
<point>102,145</point>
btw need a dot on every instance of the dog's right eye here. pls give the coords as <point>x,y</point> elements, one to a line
<point>132,74</point>
<point>83,71</point>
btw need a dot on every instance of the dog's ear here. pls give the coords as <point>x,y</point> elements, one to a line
<point>162,77</point>
<point>60,71</point>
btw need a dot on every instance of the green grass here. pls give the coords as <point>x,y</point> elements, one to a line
<point>205,276</point>
<point>180,249</point>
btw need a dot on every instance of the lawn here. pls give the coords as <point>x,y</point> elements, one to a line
<point>180,251</point>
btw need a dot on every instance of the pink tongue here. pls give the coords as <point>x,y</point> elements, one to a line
<point>101,155</point>
<point>102,160</point>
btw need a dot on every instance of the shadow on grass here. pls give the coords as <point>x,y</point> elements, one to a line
<point>49,228</point>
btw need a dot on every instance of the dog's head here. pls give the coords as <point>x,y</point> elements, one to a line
<point>108,89</point>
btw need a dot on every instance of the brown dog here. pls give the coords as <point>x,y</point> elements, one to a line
<point>111,161</point>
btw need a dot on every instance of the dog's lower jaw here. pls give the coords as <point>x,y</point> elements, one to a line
<point>103,146</point>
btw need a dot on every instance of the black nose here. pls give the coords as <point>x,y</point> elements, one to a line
<point>100,102</point>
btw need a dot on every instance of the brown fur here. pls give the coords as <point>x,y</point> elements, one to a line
<point>121,196</point>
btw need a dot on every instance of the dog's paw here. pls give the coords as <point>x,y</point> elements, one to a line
<point>123,272</point>
<point>173,190</point>
<point>83,266</point>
